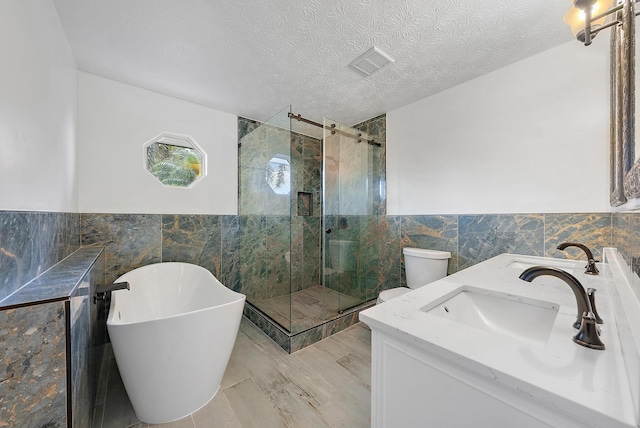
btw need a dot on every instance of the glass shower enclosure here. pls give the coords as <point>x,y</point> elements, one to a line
<point>264,206</point>
<point>350,202</point>
<point>307,221</point>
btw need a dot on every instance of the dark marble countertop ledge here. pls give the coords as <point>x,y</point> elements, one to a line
<point>57,283</point>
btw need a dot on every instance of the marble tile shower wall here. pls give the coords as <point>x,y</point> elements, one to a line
<point>32,242</point>
<point>279,235</point>
<point>377,130</point>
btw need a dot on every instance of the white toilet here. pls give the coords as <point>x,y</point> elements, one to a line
<point>422,267</point>
<point>343,256</point>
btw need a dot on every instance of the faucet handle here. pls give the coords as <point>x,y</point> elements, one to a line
<point>588,334</point>
<point>591,293</point>
<point>591,268</point>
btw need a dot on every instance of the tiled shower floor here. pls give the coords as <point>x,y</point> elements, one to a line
<point>308,308</point>
<point>324,385</point>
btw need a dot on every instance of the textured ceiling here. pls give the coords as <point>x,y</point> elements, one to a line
<point>254,57</point>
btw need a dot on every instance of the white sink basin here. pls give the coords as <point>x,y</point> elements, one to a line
<point>520,318</point>
<point>568,266</point>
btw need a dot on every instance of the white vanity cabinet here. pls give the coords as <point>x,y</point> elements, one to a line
<point>429,371</point>
<point>413,388</point>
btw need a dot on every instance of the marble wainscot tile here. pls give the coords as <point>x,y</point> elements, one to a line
<point>622,234</point>
<point>193,239</point>
<point>252,257</point>
<point>230,252</point>
<point>130,240</point>
<point>390,254</point>
<point>33,366</point>
<point>634,246</point>
<point>277,232</point>
<point>59,236</point>
<point>32,242</point>
<point>591,229</point>
<point>306,338</point>
<point>433,232</point>
<point>57,283</point>
<point>369,247</point>
<point>20,256</point>
<point>481,237</point>
<point>347,320</point>
<point>327,329</point>
<point>277,334</point>
<point>87,322</point>
<point>81,365</point>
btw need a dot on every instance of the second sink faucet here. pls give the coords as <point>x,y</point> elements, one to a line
<point>591,268</point>
<point>586,321</point>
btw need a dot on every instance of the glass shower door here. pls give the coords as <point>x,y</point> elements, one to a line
<point>265,188</point>
<point>349,256</point>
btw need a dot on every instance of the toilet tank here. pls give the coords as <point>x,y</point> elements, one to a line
<point>423,266</point>
<point>343,256</point>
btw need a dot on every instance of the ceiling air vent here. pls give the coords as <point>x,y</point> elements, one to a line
<point>372,60</point>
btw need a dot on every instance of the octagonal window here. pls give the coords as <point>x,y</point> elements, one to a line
<point>175,160</point>
<point>279,174</point>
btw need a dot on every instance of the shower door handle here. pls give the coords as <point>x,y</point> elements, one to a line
<point>328,230</point>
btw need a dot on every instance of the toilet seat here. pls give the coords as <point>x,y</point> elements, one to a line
<point>392,293</point>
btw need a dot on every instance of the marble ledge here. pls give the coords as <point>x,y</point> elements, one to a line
<point>57,283</point>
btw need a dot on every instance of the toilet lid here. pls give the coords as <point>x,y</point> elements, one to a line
<point>387,295</point>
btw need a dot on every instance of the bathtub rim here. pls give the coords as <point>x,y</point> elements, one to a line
<point>238,297</point>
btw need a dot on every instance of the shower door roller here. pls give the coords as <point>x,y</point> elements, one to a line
<point>328,230</point>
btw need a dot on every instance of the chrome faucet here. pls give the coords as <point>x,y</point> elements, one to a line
<point>591,268</point>
<point>588,334</point>
<point>103,289</point>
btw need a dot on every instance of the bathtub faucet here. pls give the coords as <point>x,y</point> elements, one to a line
<point>103,289</point>
<point>588,334</point>
<point>591,268</point>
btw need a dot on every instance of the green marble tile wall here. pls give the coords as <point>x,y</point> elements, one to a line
<point>230,245</point>
<point>247,253</point>
<point>130,240</point>
<point>34,366</point>
<point>377,130</point>
<point>626,237</point>
<point>472,239</point>
<point>52,339</point>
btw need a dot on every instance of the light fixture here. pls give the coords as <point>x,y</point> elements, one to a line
<point>587,17</point>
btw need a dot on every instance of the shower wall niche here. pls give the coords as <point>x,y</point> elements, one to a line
<point>284,267</point>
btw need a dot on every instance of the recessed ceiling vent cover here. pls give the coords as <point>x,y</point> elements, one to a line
<point>372,60</point>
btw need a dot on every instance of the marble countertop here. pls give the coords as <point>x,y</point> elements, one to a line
<point>583,383</point>
<point>57,283</point>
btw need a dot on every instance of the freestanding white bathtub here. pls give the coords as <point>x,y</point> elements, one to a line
<point>172,336</point>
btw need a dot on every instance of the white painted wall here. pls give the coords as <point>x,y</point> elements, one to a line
<point>532,137</point>
<point>38,110</point>
<point>116,120</point>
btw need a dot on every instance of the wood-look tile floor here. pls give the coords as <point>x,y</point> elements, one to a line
<point>324,385</point>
